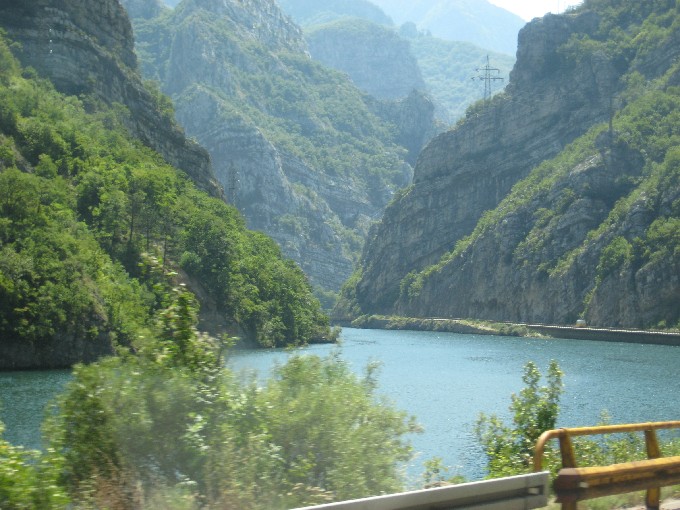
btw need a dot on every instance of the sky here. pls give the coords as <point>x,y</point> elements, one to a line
<point>530,9</point>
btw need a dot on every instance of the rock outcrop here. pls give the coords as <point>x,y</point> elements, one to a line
<point>537,254</point>
<point>468,170</point>
<point>412,117</point>
<point>87,47</point>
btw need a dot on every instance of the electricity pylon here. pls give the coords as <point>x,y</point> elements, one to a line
<point>488,76</point>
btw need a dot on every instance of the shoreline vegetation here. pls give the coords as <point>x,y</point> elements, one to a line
<point>481,327</point>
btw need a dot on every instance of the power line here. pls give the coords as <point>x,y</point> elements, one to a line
<point>488,76</point>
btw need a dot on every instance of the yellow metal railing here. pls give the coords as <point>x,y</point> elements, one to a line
<point>575,484</point>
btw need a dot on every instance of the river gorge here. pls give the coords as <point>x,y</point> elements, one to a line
<point>445,380</point>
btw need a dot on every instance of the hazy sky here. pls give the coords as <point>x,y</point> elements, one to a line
<point>529,9</point>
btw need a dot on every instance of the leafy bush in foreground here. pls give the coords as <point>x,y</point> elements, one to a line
<point>171,420</point>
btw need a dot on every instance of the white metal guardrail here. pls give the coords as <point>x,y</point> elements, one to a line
<point>513,493</point>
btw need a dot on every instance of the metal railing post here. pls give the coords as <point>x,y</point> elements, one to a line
<point>567,450</point>
<point>653,496</point>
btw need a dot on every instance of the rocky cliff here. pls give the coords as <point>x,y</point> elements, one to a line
<point>375,57</point>
<point>297,147</point>
<point>556,241</point>
<point>87,47</point>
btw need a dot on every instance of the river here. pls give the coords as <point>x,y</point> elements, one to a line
<point>445,380</point>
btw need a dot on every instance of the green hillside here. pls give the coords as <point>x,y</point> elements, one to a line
<point>95,229</point>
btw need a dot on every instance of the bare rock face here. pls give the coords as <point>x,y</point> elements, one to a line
<point>305,156</point>
<point>468,170</point>
<point>414,120</point>
<point>87,47</point>
<point>543,251</point>
<point>60,351</point>
<point>377,60</point>
<point>261,20</point>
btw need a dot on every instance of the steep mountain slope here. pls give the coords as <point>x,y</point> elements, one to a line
<point>380,59</point>
<point>301,152</point>
<point>96,229</point>
<point>87,48</point>
<point>475,21</point>
<point>375,57</point>
<point>592,233</point>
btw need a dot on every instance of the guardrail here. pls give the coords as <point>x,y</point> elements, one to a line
<point>574,484</point>
<point>512,493</point>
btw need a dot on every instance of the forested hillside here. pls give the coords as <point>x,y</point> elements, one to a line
<point>558,199</point>
<point>95,229</point>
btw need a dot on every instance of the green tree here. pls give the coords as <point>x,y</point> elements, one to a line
<point>509,448</point>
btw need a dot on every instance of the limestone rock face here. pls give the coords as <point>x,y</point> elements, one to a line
<point>88,47</point>
<point>537,255</point>
<point>305,156</point>
<point>377,60</point>
<point>414,120</point>
<point>261,20</point>
<point>59,351</point>
<point>468,170</point>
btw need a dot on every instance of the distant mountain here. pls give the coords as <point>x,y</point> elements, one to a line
<point>313,12</point>
<point>389,63</point>
<point>374,56</point>
<point>475,21</point>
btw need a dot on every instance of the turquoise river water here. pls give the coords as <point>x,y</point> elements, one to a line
<point>445,380</point>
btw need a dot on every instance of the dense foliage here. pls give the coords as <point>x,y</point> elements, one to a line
<point>170,427</point>
<point>29,479</point>
<point>509,450</point>
<point>92,225</point>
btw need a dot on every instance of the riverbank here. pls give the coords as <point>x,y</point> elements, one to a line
<point>476,327</point>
